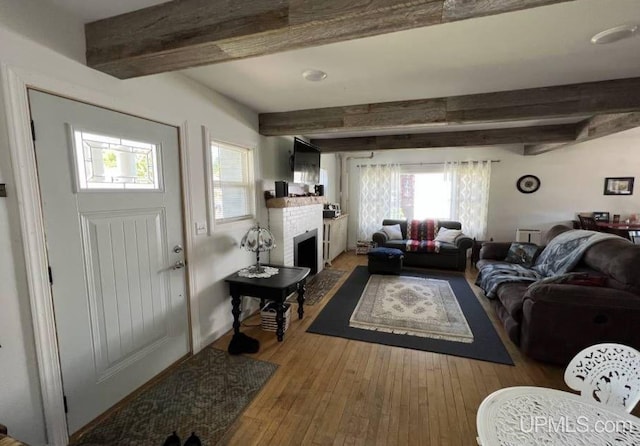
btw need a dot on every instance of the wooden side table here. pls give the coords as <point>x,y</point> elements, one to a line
<point>275,288</point>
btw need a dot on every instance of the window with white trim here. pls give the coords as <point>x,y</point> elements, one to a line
<point>231,175</point>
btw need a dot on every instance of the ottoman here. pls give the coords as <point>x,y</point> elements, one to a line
<point>385,261</point>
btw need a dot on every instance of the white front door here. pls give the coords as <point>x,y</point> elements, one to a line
<point>110,186</point>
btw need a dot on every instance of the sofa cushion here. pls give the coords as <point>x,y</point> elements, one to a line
<point>401,222</point>
<point>619,259</point>
<point>510,325</point>
<point>447,235</point>
<point>448,248</point>
<point>393,231</point>
<point>511,296</point>
<point>422,246</point>
<point>482,262</point>
<point>522,253</point>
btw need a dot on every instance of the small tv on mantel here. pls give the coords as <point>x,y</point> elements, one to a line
<point>306,162</point>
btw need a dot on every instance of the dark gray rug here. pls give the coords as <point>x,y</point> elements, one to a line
<point>333,320</point>
<point>321,284</point>
<point>205,395</point>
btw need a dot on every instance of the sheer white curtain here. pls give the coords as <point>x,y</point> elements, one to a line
<point>470,195</point>
<point>379,197</point>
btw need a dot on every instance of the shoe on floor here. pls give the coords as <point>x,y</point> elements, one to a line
<point>241,343</point>
<point>172,440</point>
<point>193,440</point>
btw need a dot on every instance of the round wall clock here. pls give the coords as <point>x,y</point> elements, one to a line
<point>528,184</point>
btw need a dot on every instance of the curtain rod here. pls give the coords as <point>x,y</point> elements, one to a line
<point>424,164</point>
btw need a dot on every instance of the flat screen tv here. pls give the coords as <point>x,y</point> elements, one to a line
<point>306,162</point>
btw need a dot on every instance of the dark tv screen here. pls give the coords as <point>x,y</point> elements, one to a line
<point>306,162</point>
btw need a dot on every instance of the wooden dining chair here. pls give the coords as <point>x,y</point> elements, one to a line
<point>607,373</point>
<point>588,223</point>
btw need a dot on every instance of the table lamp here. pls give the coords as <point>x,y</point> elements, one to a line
<point>257,239</point>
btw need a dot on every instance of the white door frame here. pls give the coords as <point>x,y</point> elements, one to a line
<point>14,82</point>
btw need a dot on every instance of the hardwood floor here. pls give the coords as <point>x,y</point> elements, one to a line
<point>334,391</point>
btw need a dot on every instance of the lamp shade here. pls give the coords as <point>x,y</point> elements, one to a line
<point>258,239</point>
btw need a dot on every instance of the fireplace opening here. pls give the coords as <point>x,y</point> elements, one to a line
<point>305,250</point>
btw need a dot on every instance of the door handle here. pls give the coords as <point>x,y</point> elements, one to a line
<point>178,265</point>
<point>178,249</point>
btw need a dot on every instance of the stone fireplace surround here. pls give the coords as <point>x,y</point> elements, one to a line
<point>291,217</point>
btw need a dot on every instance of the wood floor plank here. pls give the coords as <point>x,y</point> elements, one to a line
<point>396,401</point>
<point>339,398</point>
<point>329,390</point>
<point>375,400</point>
<point>353,420</point>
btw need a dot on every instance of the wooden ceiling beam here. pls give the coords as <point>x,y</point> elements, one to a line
<point>605,97</point>
<point>539,149</point>
<point>188,33</point>
<point>592,128</point>
<point>520,135</point>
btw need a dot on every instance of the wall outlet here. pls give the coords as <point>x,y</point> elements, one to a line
<point>201,228</point>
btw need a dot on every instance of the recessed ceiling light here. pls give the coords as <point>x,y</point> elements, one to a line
<point>314,75</point>
<point>614,34</point>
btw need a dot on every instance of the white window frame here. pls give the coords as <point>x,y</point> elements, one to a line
<point>219,224</point>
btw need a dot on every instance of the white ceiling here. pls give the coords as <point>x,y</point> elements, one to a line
<point>532,48</point>
<point>537,47</point>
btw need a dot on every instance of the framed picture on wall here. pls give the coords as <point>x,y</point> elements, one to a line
<point>618,186</point>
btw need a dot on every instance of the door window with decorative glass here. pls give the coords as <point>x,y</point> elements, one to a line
<point>231,182</point>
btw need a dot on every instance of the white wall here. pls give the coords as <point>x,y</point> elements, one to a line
<point>45,24</point>
<point>572,181</point>
<point>275,153</point>
<point>167,98</point>
<point>329,162</point>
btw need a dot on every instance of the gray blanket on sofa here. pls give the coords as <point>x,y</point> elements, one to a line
<point>560,256</point>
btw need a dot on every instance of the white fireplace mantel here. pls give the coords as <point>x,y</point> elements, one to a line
<point>288,222</point>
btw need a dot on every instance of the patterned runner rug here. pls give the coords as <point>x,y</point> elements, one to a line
<point>414,306</point>
<point>321,284</point>
<point>204,394</point>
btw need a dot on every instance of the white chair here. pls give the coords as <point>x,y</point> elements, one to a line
<point>607,373</point>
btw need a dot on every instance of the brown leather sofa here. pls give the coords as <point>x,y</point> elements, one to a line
<point>451,255</point>
<point>553,322</point>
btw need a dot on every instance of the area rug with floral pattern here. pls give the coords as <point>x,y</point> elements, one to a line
<point>414,306</point>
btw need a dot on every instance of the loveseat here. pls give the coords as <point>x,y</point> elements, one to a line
<point>450,256</point>
<point>552,322</point>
